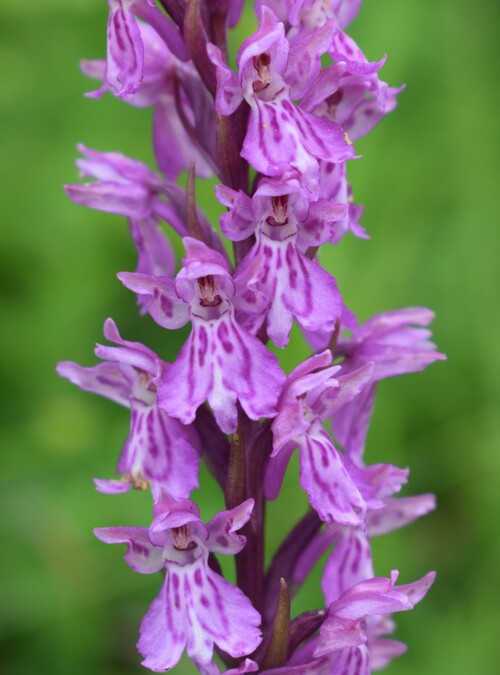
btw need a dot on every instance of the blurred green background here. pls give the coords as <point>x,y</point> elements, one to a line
<point>429,181</point>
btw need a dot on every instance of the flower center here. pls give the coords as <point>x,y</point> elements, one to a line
<point>181,538</point>
<point>280,207</point>
<point>208,290</point>
<point>261,65</point>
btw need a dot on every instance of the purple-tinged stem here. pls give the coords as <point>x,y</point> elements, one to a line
<point>192,221</point>
<point>176,9</point>
<point>284,561</point>
<point>196,41</point>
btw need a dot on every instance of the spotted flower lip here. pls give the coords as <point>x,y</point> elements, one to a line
<point>277,267</point>
<point>280,134</point>
<point>158,451</point>
<point>220,362</point>
<point>196,607</point>
<point>305,398</point>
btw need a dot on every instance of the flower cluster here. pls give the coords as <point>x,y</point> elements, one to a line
<point>302,93</point>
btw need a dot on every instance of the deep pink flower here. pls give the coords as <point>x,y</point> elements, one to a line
<point>159,450</point>
<point>221,362</point>
<point>196,607</point>
<point>281,135</point>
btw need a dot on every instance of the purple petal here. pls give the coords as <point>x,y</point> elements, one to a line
<point>105,379</point>
<point>115,167</point>
<point>239,223</point>
<point>125,54</point>
<point>339,633</point>
<point>221,614</point>
<point>350,423</point>
<point>142,556</point>
<point>156,257</point>
<point>417,590</point>
<point>373,596</point>
<point>280,136</point>
<point>330,489</point>
<point>221,363</point>
<point>197,608</point>
<point>223,527</point>
<point>158,297</point>
<point>229,92</point>
<point>133,201</point>
<point>294,285</point>
<point>397,513</point>
<point>383,651</point>
<point>173,146</point>
<point>331,399</point>
<point>128,353</point>
<point>159,450</point>
<point>304,63</point>
<point>111,487</point>
<point>349,563</point>
<point>164,627</point>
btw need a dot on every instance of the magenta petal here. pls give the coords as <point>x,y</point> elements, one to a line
<point>105,379</point>
<point>247,368</point>
<point>224,615</point>
<point>221,363</point>
<point>111,487</point>
<point>280,136</point>
<point>186,383</point>
<point>142,556</point>
<point>276,469</point>
<point>293,284</point>
<point>323,476</point>
<point>195,609</point>
<point>349,563</point>
<point>353,661</point>
<point>153,247</point>
<point>304,63</point>
<point>350,386</point>
<point>174,148</point>
<point>418,589</point>
<point>397,513</point>
<point>164,628</point>
<point>158,297</point>
<point>382,651</point>
<point>223,527</point>
<point>133,201</point>
<point>125,58</point>
<point>239,223</point>
<point>229,92</point>
<point>159,450</point>
<point>339,633</point>
<point>350,423</point>
<point>373,596</point>
<point>129,353</point>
